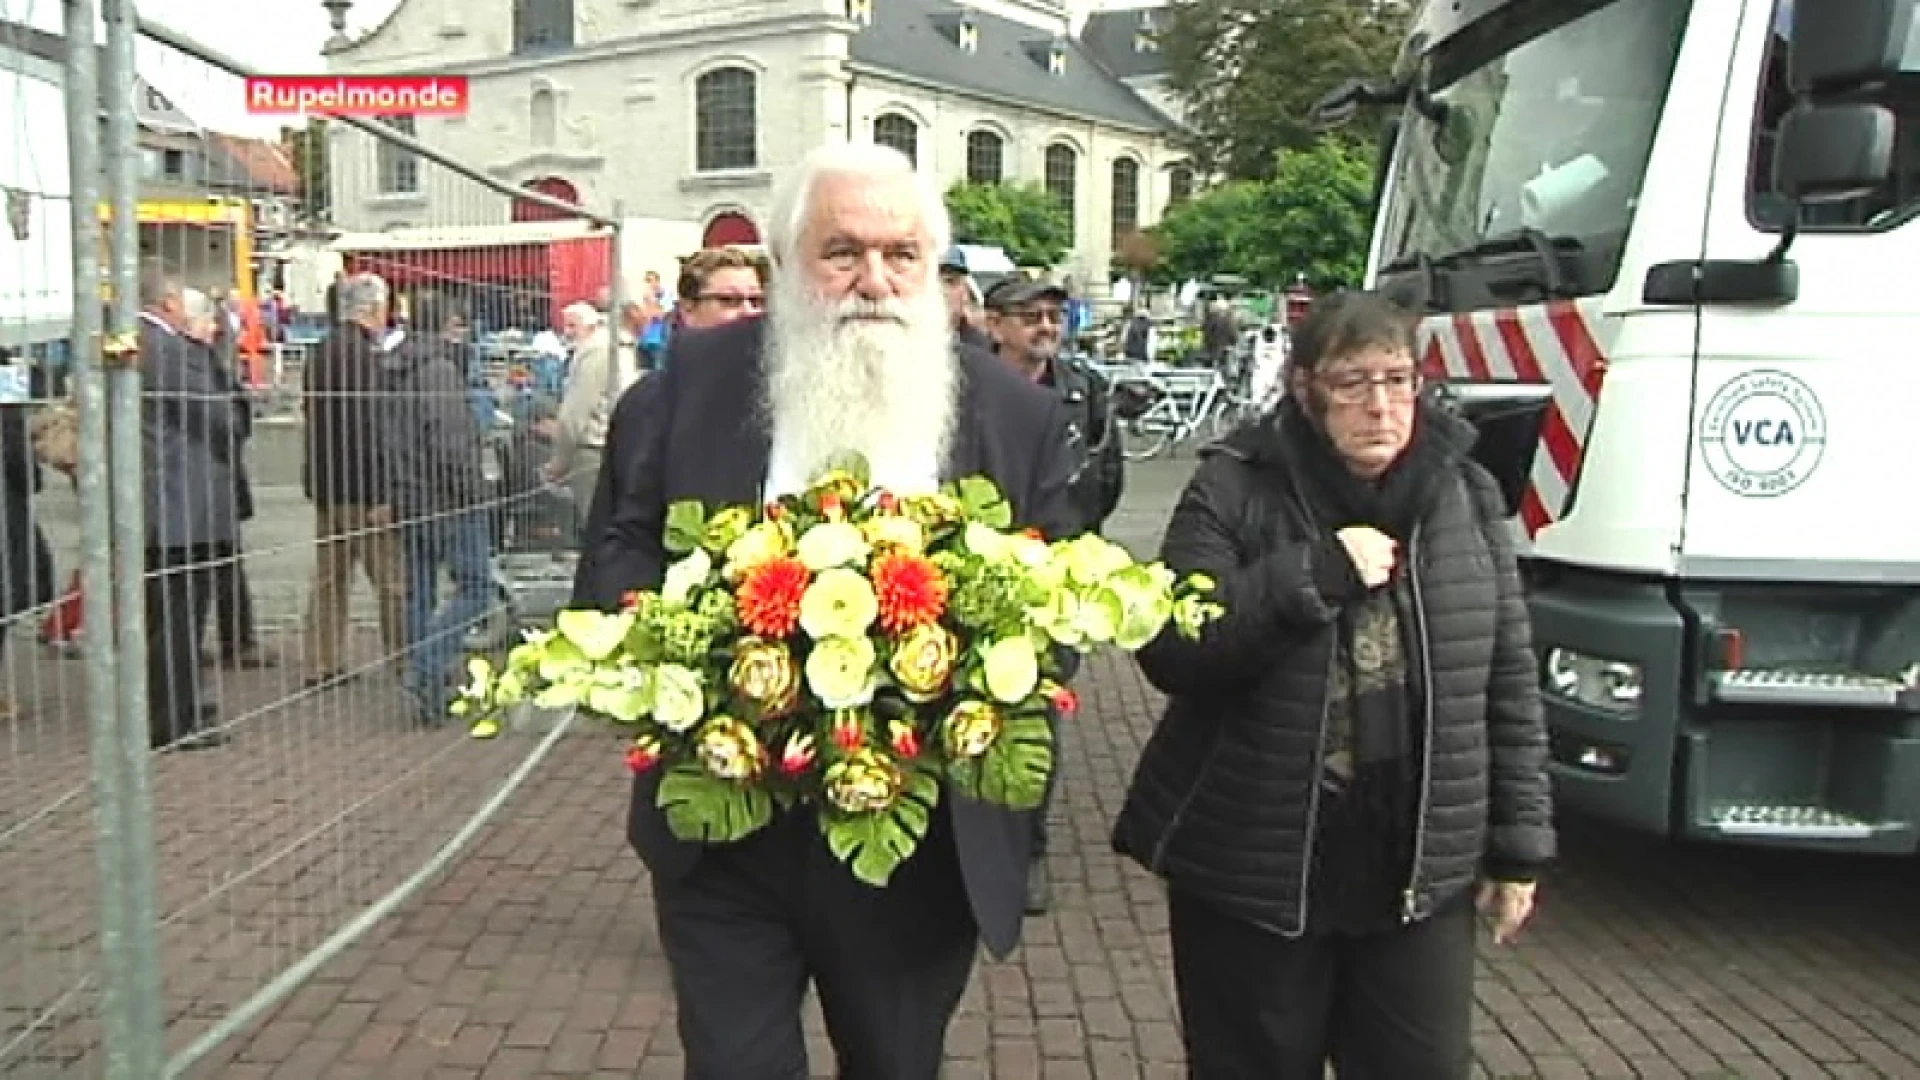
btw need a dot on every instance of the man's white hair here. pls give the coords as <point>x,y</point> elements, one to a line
<point>793,200</point>
<point>583,313</point>
<point>196,304</point>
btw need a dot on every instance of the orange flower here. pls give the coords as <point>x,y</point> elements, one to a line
<point>911,589</point>
<point>768,598</point>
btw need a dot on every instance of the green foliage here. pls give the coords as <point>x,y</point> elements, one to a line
<point>686,526</point>
<point>307,146</point>
<point>1014,770</point>
<point>1022,218</point>
<point>983,502</point>
<point>1250,71</point>
<point>1312,218</point>
<point>874,845</point>
<point>704,809</point>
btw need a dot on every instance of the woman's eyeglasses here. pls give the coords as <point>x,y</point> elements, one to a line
<point>1354,388</point>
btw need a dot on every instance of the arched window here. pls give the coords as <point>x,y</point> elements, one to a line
<point>1062,170</point>
<point>544,119</point>
<point>1179,185</point>
<point>542,25</point>
<point>726,120</point>
<point>899,132</point>
<point>986,154</point>
<point>1126,197</point>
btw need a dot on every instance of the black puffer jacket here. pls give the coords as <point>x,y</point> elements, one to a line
<point>1224,798</point>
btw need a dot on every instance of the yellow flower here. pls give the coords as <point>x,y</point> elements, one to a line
<point>970,729</point>
<point>762,543</point>
<point>922,661</point>
<point>894,531</point>
<point>933,511</point>
<point>838,603</point>
<point>726,527</point>
<point>840,671</point>
<point>728,749</point>
<point>863,783</point>
<point>1011,668</point>
<point>764,673</point>
<point>678,701</point>
<point>831,544</point>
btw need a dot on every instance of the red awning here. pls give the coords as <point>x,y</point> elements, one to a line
<point>502,265</point>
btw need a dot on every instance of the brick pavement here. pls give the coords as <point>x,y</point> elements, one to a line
<point>536,956</point>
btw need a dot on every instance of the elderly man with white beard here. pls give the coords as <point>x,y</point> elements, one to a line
<point>855,354</point>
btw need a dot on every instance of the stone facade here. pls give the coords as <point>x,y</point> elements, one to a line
<point>609,109</point>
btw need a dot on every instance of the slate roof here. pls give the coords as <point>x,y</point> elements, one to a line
<point>1111,36</point>
<point>914,39</point>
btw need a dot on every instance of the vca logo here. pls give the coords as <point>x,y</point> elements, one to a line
<point>1763,434</point>
<point>19,213</point>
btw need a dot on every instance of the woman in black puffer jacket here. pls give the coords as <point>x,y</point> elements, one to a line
<point>1357,746</point>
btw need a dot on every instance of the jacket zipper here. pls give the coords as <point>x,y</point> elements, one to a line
<point>1411,898</point>
<point>1313,791</point>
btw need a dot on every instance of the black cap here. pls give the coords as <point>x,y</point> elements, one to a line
<point>1020,289</point>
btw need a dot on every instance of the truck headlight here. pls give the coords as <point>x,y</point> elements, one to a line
<point>1594,681</point>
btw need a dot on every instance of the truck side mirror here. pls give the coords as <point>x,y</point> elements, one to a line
<point>1831,153</point>
<point>1839,45</point>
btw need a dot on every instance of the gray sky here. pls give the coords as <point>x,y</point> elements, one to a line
<point>281,37</point>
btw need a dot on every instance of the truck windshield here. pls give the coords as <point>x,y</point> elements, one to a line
<point>1531,141</point>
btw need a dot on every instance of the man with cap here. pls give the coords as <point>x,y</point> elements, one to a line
<point>1026,320</point>
<point>963,299</point>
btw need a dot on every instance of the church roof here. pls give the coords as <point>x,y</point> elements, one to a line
<point>919,40</point>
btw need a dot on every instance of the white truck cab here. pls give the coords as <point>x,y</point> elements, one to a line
<point>1689,225</point>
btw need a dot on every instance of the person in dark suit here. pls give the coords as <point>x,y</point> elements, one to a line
<point>855,354</point>
<point>192,523</point>
<point>26,561</point>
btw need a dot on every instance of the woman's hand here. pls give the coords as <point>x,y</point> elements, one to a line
<point>1509,904</point>
<point>1373,552</point>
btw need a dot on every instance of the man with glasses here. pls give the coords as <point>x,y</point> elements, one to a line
<point>1026,320</point>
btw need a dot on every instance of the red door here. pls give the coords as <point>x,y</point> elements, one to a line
<point>524,210</point>
<point>729,229</point>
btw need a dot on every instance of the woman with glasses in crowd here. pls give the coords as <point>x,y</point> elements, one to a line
<point>1356,751</point>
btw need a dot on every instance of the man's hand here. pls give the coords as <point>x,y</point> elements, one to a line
<point>1508,905</point>
<point>1373,552</point>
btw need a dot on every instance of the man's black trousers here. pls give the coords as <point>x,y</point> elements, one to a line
<point>752,923</point>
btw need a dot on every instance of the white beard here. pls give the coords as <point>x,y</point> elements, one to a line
<point>886,390</point>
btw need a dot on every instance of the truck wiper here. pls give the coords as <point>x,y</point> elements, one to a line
<point>1429,292</point>
<point>1551,250</point>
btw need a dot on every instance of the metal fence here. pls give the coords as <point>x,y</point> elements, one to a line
<point>226,514</point>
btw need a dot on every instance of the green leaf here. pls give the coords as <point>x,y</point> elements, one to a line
<point>686,524</point>
<point>984,503</point>
<point>1014,770</point>
<point>705,810</point>
<point>624,704</point>
<point>874,845</point>
<point>595,633</point>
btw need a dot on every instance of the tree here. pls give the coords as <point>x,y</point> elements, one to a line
<point>1311,219</point>
<point>1138,253</point>
<point>308,148</point>
<point>1249,71</point>
<point>1022,218</point>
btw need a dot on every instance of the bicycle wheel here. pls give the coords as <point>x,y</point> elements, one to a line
<point>1144,438</point>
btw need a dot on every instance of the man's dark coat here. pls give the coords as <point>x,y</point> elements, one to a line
<point>695,430</point>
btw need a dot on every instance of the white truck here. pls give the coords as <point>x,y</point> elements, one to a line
<point>1689,225</point>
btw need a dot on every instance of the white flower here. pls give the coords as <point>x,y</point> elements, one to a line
<point>831,544</point>
<point>685,576</point>
<point>678,702</point>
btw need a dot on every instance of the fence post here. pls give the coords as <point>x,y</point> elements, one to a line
<point>129,1008</point>
<point>119,164</point>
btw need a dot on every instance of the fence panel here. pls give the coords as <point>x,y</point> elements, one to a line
<point>317,512</point>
